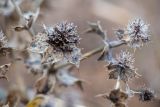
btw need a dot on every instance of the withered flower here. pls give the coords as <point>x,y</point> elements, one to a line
<point>146,95</point>
<point>116,96</point>
<point>64,40</point>
<point>138,33</point>
<point>122,67</point>
<point>63,37</point>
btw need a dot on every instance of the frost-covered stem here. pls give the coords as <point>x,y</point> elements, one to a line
<point>92,52</point>
<point>112,44</point>
<point>117,83</point>
<point>84,56</point>
<point>117,43</point>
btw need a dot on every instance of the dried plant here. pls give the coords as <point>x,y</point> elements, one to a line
<point>54,52</point>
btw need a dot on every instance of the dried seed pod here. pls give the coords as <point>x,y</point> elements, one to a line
<point>117,96</point>
<point>138,33</point>
<point>122,67</point>
<point>63,37</point>
<point>146,95</point>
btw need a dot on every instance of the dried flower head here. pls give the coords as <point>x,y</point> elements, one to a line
<point>146,95</point>
<point>138,33</point>
<point>64,40</point>
<point>63,37</point>
<point>122,67</point>
<point>117,96</point>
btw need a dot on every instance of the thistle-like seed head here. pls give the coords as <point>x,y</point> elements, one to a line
<point>138,33</point>
<point>63,37</point>
<point>117,95</point>
<point>122,67</point>
<point>146,95</point>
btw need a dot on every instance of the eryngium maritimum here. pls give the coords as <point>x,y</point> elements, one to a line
<point>138,33</point>
<point>122,67</point>
<point>63,37</point>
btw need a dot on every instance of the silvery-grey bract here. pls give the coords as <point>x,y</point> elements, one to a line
<point>122,67</point>
<point>138,33</point>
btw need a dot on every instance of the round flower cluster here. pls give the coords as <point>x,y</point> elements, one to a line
<point>63,37</point>
<point>138,33</point>
<point>146,95</point>
<point>122,67</point>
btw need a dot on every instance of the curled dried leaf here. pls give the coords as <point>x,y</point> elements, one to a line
<point>66,79</point>
<point>45,84</point>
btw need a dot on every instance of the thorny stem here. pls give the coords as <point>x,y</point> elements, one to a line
<point>92,52</point>
<point>112,44</point>
<point>117,83</point>
<point>85,56</point>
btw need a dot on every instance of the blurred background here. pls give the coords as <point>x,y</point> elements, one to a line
<point>113,14</point>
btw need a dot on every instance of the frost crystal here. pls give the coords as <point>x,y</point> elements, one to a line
<point>122,67</point>
<point>138,33</point>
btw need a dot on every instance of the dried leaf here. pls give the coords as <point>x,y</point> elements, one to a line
<point>19,28</point>
<point>37,101</point>
<point>66,79</point>
<point>6,51</point>
<point>45,84</point>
